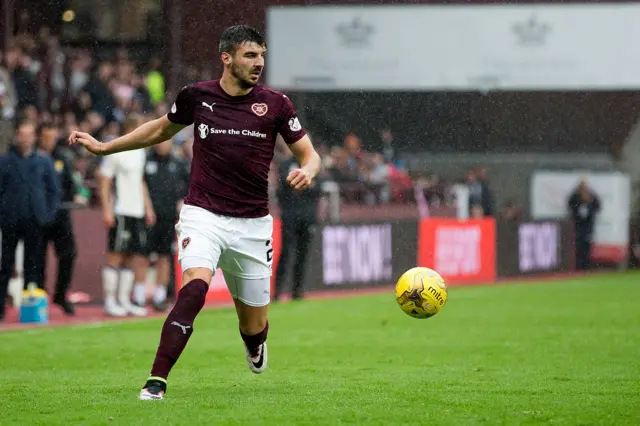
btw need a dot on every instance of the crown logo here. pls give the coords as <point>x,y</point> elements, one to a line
<point>355,34</point>
<point>531,32</point>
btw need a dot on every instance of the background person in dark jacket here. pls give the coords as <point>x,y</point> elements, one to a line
<point>583,205</point>
<point>298,211</point>
<point>29,199</point>
<point>167,178</point>
<point>60,231</point>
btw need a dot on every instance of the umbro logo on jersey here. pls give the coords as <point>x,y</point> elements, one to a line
<point>259,109</point>
<point>204,104</point>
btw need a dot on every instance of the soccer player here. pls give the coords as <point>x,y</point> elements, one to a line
<point>125,218</point>
<point>225,221</point>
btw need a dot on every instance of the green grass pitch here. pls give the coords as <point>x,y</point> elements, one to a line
<point>565,352</point>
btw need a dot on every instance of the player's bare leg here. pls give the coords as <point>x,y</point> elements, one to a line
<point>128,276</point>
<point>254,328</point>
<point>163,273</point>
<point>177,329</point>
<point>139,289</point>
<point>110,280</point>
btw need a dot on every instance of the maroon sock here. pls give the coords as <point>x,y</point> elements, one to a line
<point>178,327</point>
<point>254,341</point>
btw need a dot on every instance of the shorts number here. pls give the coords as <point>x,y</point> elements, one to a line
<point>270,251</point>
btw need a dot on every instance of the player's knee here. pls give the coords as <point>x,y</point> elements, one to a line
<point>114,260</point>
<point>251,328</point>
<point>260,323</point>
<point>204,274</point>
<point>252,319</point>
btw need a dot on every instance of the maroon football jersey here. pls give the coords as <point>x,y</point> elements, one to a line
<point>234,144</point>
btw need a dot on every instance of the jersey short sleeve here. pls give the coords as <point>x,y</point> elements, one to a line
<point>289,126</point>
<point>181,111</point>
<point>108,166</point>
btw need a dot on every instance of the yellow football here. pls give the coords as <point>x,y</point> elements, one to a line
<point>421,292</point>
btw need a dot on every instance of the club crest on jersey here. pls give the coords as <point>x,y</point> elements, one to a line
<point>203,129</point>
<point>185,243</point>
<point>259,109</point>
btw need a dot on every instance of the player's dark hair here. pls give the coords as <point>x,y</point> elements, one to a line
<point>237,35</point>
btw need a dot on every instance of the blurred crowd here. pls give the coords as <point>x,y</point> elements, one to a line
<point>365,176</point>
<point>70,88</point>
<point>73,88</point>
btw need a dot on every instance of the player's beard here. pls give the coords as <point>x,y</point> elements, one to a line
<point>243,81</point>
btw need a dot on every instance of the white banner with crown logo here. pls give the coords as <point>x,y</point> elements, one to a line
<point>452,47</point>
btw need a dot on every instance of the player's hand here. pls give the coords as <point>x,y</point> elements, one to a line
<point>299,179</point>
<point>109,220</point>
<point>150,217</point>
<point>89,142</point>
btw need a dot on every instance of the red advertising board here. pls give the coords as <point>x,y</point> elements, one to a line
<point>461,251</point>
<point>218,292</point>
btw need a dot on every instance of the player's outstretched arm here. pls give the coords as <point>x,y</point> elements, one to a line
<point>309,160</point>
<point>148,134</point>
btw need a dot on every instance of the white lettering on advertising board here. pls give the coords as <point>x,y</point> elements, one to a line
<point>357,254</point>
<point>538,246</point>
<point>458,250</point>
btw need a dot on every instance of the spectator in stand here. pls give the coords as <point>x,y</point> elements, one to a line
<point>387,149</point>
<point>154,81</point>
<point>379,171</point>
<point>475,195</point>
<point>24,70</point>
<point>8,95</point>
<point>102,99</point>
<point>8,103</point>
<point>352,167</point>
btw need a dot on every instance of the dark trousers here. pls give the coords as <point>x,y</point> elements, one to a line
<point>60,233</point>
<point>296,237</point>
<point>31,233</point>
<point>583,250</point>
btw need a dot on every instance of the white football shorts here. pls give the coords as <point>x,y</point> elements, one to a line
<point>242,248</point>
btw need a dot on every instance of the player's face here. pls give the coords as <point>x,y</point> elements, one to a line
<point>247,63</point>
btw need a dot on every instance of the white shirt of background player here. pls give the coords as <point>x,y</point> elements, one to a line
<point>127,168</point>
